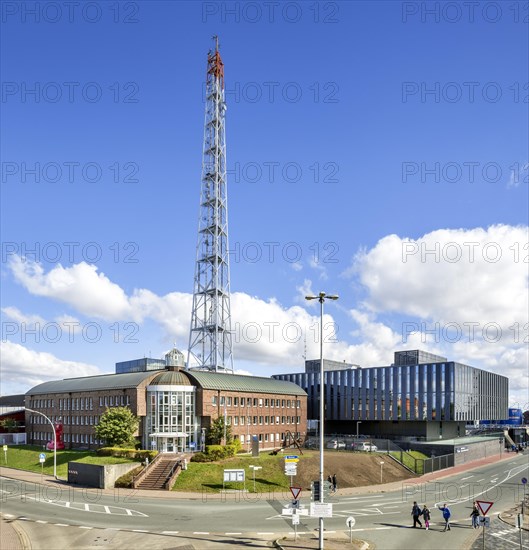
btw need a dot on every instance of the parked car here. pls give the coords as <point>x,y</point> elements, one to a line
<point>365,447</point>
<point>335,444</point>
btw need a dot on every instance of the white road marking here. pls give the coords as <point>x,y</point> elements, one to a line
<point>41,521</point>
<point>465,485</point>
<point>107,510</point>
<point>61,524</point>
<point>200,533</point>
<point>482,479</point>
<point>233,533</point>
<point>9,515</point>
<point>464,478</point>
<point>170,532</point>
<point>86,507</point>
<point>140,531</point>
<point>266,533</point>
<point>84,527</point>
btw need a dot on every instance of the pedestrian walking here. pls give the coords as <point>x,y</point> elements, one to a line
<point>475,515</point>
<point>446,516</point>
<point>416,513</point>
<point>426,517</point>
<point>334,483</point>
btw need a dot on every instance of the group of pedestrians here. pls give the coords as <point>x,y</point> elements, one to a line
<point>417,512</point>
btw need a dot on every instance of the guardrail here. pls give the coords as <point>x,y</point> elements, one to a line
<point>145,471</point>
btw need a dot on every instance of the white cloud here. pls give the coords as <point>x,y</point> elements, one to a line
<point>18,317</point>
<point>23,368</point>
<point>450,275</point>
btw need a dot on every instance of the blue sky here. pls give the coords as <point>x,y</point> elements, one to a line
<point>390,131</point>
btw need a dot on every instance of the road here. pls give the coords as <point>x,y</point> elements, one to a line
<point>381,518</point>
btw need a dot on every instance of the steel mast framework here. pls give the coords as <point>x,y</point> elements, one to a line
<point>210,336</point>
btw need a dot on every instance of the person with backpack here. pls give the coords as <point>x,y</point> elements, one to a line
<point>475,515</point>
<point>416,512</point>
<point>426,516</point>
<point>446,516</point>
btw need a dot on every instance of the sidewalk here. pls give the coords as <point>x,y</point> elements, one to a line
<point>35,478</point>
<point>12,537</point>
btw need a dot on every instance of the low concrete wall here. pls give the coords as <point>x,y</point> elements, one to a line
<point>474,451</point>
<point>99,476</point>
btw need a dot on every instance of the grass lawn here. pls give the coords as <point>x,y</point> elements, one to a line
<point>408,459</point>
<point>207,476</point>
<point>26,457</point>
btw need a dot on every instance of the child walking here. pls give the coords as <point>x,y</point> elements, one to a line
<point>426,516</point>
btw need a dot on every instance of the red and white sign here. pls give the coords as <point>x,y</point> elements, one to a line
<point>295,492</point>
<point>484,506</point>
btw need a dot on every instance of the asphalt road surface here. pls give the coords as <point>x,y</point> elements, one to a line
<point>383,519</point>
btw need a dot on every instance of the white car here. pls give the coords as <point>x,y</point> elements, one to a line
<point>335,444</point>
<point>367,447</point>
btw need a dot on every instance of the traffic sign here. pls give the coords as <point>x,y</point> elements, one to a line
<point>484,521</point>
<point>5,447</point>
<point>350,522</point>
<point>291,458</point>
<point>295,492</point>
<point>321,510</point>
<point>524,480</point>
<point>484,506</point>
<point>295,519</point>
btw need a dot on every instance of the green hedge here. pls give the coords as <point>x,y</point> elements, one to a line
<point>127,453</point>
<point>216,452</point>
<point>125,481</point>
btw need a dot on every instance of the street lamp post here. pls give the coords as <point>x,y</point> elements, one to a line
<point>54,440</point>
<point>321,298</point>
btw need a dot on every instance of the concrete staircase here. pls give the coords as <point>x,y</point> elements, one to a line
<point>158,472</point>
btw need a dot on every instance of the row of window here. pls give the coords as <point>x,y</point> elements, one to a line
<point>80,403</point>
<point>74,420</point>
<point>69,438</point>
<point>76,404</point>
<point>254,402</point>
<point>259,420</point>
<point>265,437</point>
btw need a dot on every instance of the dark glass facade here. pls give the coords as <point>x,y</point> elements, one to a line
<point>446,391</point>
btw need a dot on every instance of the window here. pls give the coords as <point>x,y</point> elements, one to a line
<point>242,402</point>
<point>277,402</point>
<point>267,418</point>
<point>222,401</point>
<point>260,402</point>
<point>266,437</point>
<point>91,404</point>
<point>267,402</point>
<point>229,401</point>
<point>243,418</point>
<point>81,404</point>
<point>128,399</point>
<point>100,401</point>
<point>260,420</point>
<point>213,399</point>
<point>111,400</point>
<point>288,403</point>
<point>235,420</point>
<point>255,401</point>
<point>106,400</point>
<point>277,419</point>
<point>282,402</point>
<point>60,404</point>
<point>255,420</point>
<point>235,401</point>
<point>241,437</point>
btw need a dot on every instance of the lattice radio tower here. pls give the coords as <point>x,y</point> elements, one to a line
<point>210,337</point>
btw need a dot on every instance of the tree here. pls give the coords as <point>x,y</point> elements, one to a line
<point>215,433</point>
<point>9,424</point>
<point>117,427</point>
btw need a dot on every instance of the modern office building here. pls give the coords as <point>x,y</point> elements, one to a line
<point>175,406</point>
<point>430,400</point>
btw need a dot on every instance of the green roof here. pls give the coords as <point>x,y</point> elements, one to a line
<point>91,383</point>
<point>171,378</point>
<point>238,382</point>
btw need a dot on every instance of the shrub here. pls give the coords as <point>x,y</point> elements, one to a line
<point>127,453</point>
<point>125,481</point>
<point>200,457</point>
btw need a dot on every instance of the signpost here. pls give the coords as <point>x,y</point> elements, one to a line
<point>254,468</point>
<point>42,458</point>
<point>5,453</point>
<point>484,506</point>
<point>350,522</point>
